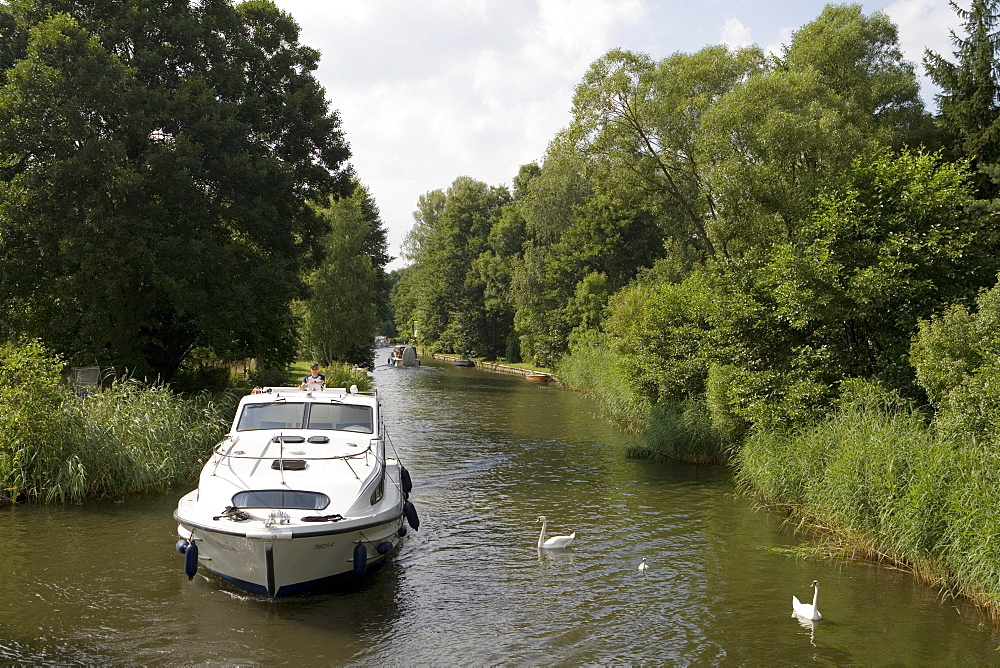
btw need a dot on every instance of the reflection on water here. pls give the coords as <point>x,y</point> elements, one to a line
<point>489,454</point>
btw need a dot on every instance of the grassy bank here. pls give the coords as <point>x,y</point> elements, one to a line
<point>879,480</point>
<point>889,487</point>
<point>130,438</point>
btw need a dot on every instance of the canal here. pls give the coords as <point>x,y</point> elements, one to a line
<point>101,583</point>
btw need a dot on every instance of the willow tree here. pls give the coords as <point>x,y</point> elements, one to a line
<point>156,164</point>
<point>840,88</point>
<point>646,116</point>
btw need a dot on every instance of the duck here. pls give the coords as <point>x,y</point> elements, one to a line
<point>643,567</point>
<point>555,542</point>
<point>804,610</point>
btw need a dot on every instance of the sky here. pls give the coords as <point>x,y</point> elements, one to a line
<point>430,90</point>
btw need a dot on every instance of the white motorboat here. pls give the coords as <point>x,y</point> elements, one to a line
<point>403,356</point>
<point>299,492</point>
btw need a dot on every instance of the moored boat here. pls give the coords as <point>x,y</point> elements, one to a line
<point>539,376</point>
<point>298,493</point>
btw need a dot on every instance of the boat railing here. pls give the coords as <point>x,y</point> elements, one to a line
<point>332,391</point>
<point>373,447</point>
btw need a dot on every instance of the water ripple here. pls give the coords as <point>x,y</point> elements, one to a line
<point>101,584</point>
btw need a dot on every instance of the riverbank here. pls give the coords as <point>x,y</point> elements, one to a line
<point>876,481</point>
<point>884,485</point>
<point>60,446</point>
<point>498,367</point>
<point>114,592</point>
<point>130,438</point>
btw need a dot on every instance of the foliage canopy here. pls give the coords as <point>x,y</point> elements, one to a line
<point>156,164</point>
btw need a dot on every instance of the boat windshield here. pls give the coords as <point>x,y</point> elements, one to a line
<point>342,417</point>
<point>294,415</point>
<point>275,415</point>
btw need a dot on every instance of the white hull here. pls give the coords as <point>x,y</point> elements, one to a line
<point>283,560</point>
<point>298,493</point>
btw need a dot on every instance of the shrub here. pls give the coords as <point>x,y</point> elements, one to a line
<point>203,370</point>
<point>269,376</point>
<point>130,438</point>
<point>684,433</point>
<point>345,375</point>
<point>33,453</point>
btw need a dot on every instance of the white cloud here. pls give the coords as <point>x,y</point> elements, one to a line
<point>432,90</point>
<point>429,91</point>
<point>777,47</point>
<point>925,24</point>
<point>735,34</point>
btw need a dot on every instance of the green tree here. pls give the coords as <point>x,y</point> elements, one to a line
<point>155,169</point>
<point>451,233</point>
<point>403,299</point>
<point>589,228</point>
<point>858,57</point>
<point>347,291</point>
<point>892,240</point>
<point>661,329</point>
<point>544,201</point>
<point>387,316</point>
<point>770,143</point>
<point>646,117</point>
<point>956,356</point>
<point>497,265</point>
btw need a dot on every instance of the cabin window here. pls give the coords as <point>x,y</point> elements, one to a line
<point>342,417</point>
<point>379,491</point>
<point>281,499</point>
<point>274,415</point>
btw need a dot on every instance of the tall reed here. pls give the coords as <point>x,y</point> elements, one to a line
<point>56,446</point>
<point>889,485</point>
<point>971,545</point>
<point>868,470</point>
<point>135,438</point>
<point>597,372</point>
<point>681,433</point>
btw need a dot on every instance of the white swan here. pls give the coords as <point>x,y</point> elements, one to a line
<point>804,610</point>
<point>555,542</point>
<point>643,566</point>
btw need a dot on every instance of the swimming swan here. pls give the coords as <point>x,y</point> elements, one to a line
<point>554,542</point>
<point>804,610</point>
<point>643,566</point>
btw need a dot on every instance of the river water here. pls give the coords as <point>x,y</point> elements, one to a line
<point>101,583</point>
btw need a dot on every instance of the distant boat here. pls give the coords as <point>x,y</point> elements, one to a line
<point>539,376</point>
<point>463,362</point>
<point>403,356</point>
